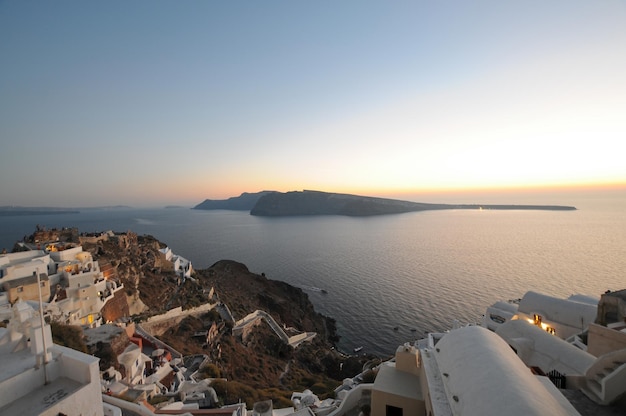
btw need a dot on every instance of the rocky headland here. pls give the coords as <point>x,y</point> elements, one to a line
<point>278,204</point>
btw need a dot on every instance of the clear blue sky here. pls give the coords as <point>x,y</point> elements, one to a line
<point>148,103</point>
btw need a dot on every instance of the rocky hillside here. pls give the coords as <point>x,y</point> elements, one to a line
<point>263,361</point>
<point>259,367</point>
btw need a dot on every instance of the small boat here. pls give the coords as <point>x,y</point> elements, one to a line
<point>324,291</point>
<point>413,329</point>
<point>395,328</point>
<point>357,349</point>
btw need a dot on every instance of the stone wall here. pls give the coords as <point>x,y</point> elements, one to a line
<point>603,340</point>
<point>244,331</point>
<point>93,239</point>
<point>161,262</point>
<point>125,241</point>
<point>158,324</point>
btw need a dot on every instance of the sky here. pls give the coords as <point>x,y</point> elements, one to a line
<point>151,103</point>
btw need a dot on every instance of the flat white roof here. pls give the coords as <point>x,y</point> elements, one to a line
<point>393,381</point>
<point>436,389</point>
<point>14,363</point>
<point>20,257</point>
<point>538,348</point>
<point>43,397</point>
<point>38,397</point>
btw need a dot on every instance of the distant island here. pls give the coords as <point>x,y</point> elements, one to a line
<point>278,204</point>
<point>19,211</point>
<point>14,210</point>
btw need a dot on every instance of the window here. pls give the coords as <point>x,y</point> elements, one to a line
<point>393,411</point>
<point>20,289</point>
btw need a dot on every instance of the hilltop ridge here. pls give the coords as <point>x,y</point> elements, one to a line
<point>324,203</point>
<point>244,202</point>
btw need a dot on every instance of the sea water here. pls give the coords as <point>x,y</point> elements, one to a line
<point>389,279</point>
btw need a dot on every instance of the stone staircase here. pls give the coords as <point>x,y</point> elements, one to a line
<point>606,378</point>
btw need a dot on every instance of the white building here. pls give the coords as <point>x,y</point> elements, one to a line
<point>24,263</point>
<point>134,362</point>
<point>181,266</point>
<point>475,372</point>
<point>398,386</point>
<point>467,371</point>
<point>561,317</point>
<point>74,288</point>
<point>602,378</point>
<point>38,377</point>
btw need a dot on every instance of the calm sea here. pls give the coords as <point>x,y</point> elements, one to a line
<point>417,271</point>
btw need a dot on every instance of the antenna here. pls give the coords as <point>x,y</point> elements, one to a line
<point>43,332</point>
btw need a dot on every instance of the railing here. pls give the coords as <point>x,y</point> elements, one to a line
<point>353,399</point>
<point>253,317</point>
<point>558,379</point>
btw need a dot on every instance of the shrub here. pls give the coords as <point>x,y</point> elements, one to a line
<point>369,376</point>
<point>210,371</point>
<point>107,356</point>
<point>319,388</point>
<point>232,391</point>
<point>68,336</point>
<point>158,399</point>
<point>212,315</point>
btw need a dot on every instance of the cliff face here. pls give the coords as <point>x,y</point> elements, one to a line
<point>244,292</point>
<point>134,260</point>
<point>115,308</point>
<point>262,363</point>
<point>243,202</point>
<point>324,203</point>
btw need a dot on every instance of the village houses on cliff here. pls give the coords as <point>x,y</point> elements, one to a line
<point>74,288</point>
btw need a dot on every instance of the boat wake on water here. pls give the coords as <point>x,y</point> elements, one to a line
<point>312,289</point>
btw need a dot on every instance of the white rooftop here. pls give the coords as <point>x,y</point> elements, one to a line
<point>399,383</point>
<point>482,375</point>
<point>38,400</point>
<point>538,348</point>
<point>571,312</point>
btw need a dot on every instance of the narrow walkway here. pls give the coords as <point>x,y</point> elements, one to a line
<point>224,312</point>
<point>252,319</point>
